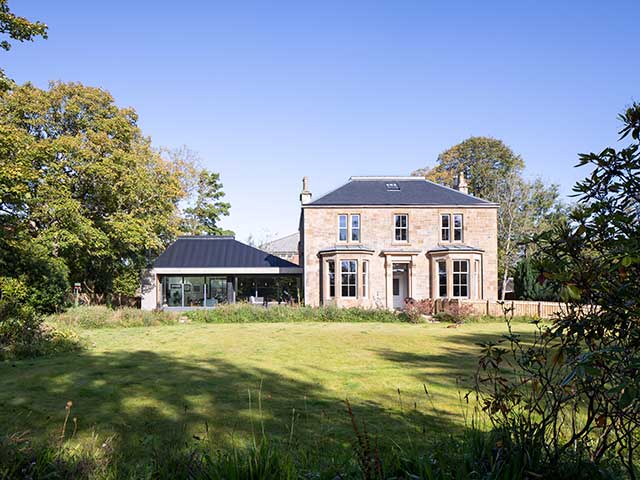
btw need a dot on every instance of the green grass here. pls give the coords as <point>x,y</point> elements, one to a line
<point>230,382</point>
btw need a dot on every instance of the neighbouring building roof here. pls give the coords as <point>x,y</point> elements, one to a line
<point>284,244</point>
<point>455,248</point>
<point>216,252</point>
<point>395,191</point>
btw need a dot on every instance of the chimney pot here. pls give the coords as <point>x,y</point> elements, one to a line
<point>305,195</point>
<point>460,183</point>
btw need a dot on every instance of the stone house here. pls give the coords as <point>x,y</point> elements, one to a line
<point>375,241</point>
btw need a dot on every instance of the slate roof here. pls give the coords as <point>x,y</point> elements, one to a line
<point>412,191</point>
<point>284,244</point>
<point>216,252</point>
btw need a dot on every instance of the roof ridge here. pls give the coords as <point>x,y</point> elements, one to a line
<point>386,177</point>
<point>457,191</point>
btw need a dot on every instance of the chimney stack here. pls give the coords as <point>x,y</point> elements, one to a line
<point>305,195</point>
<point>460,184</point>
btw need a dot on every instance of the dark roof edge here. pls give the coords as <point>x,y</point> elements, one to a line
<point>458,191</point>
<point>484,204</point>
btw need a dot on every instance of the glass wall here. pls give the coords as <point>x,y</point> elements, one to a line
<point>209,291</point>
<point>194,291</point>
<point>172,291</point>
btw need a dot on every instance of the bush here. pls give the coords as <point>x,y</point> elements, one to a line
<point>415,309</point>
<point>245,313</point>
<point>454,311</point>
<point>22,332</point>
<point>105,317</point>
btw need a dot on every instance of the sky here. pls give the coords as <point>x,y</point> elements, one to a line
<point>268,92</point>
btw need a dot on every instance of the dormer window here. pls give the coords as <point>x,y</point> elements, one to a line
<point>392,187</point>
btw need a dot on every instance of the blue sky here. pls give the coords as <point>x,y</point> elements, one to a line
<point>267,92</point>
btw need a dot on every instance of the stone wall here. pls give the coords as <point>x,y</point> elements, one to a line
<point>319,227</point>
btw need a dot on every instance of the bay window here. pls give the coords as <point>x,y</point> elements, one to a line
<point>349,277</point>
<point>442,279</point>
<point>461,278</point>
<point>331,272</point>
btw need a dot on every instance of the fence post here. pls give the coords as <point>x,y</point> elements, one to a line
<point>540,309</point>
<point>487,308</point>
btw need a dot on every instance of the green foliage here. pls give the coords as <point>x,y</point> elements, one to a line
<point>494,173</point>
<point>575,387</point>
<point>105,317</point>
<point>83,195</point>
<point>244,313</point>
<point>529,283</point>
<point>22,333</point>
<point>203,217</point>
<point>485,161</point>
<point>18,28</point>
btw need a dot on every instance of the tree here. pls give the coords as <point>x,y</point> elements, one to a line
<point>527,284</point>
<point>494,173</point>
<point>203,217</point>
<point>79,181</point>
<point>573,389</point>
<point>16,28</point>
<point>485,162</point>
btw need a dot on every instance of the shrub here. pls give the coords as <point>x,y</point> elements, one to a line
<point>104,317</point>
<point>574,389</point>
<point>245,313</point>
<point>415,309</point>
<point>454,311</point>
<point>22,332</point>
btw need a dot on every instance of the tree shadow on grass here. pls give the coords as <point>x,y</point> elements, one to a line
<point>457,364</point>
<point>149,400</point>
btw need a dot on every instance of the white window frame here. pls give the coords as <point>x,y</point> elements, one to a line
<point>444,228</point>
<point>352,217</point>
<point>400,229</point>
<point>457,275</point>
<point>365,278</point>
<point>440,270</point>
<point>351,276</point>
<point>341,228</point>
<point>456,229</point>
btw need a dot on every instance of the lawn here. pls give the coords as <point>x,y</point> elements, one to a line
<point>230,382</point>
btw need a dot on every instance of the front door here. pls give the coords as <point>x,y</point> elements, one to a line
<point>399,288</point>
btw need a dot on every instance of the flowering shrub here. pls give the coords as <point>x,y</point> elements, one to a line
<point>454,311</point>
<point>415,309</point>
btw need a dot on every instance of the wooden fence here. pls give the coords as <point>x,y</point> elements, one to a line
<point>520,308</point>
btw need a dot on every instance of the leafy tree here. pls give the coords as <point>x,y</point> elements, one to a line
<point>203,217</point>
<point>574,389</point>
<point>18,28</point>
<point>79,181</point>
<point>485,162</point>
<point>13,27</point>
<point>527,284</point>
<point>494,173</point>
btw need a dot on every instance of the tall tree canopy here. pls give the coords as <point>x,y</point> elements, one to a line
<point>13,27</point>
<point>494,173</point>
<point>80,182</point>
<point>18,28</point>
